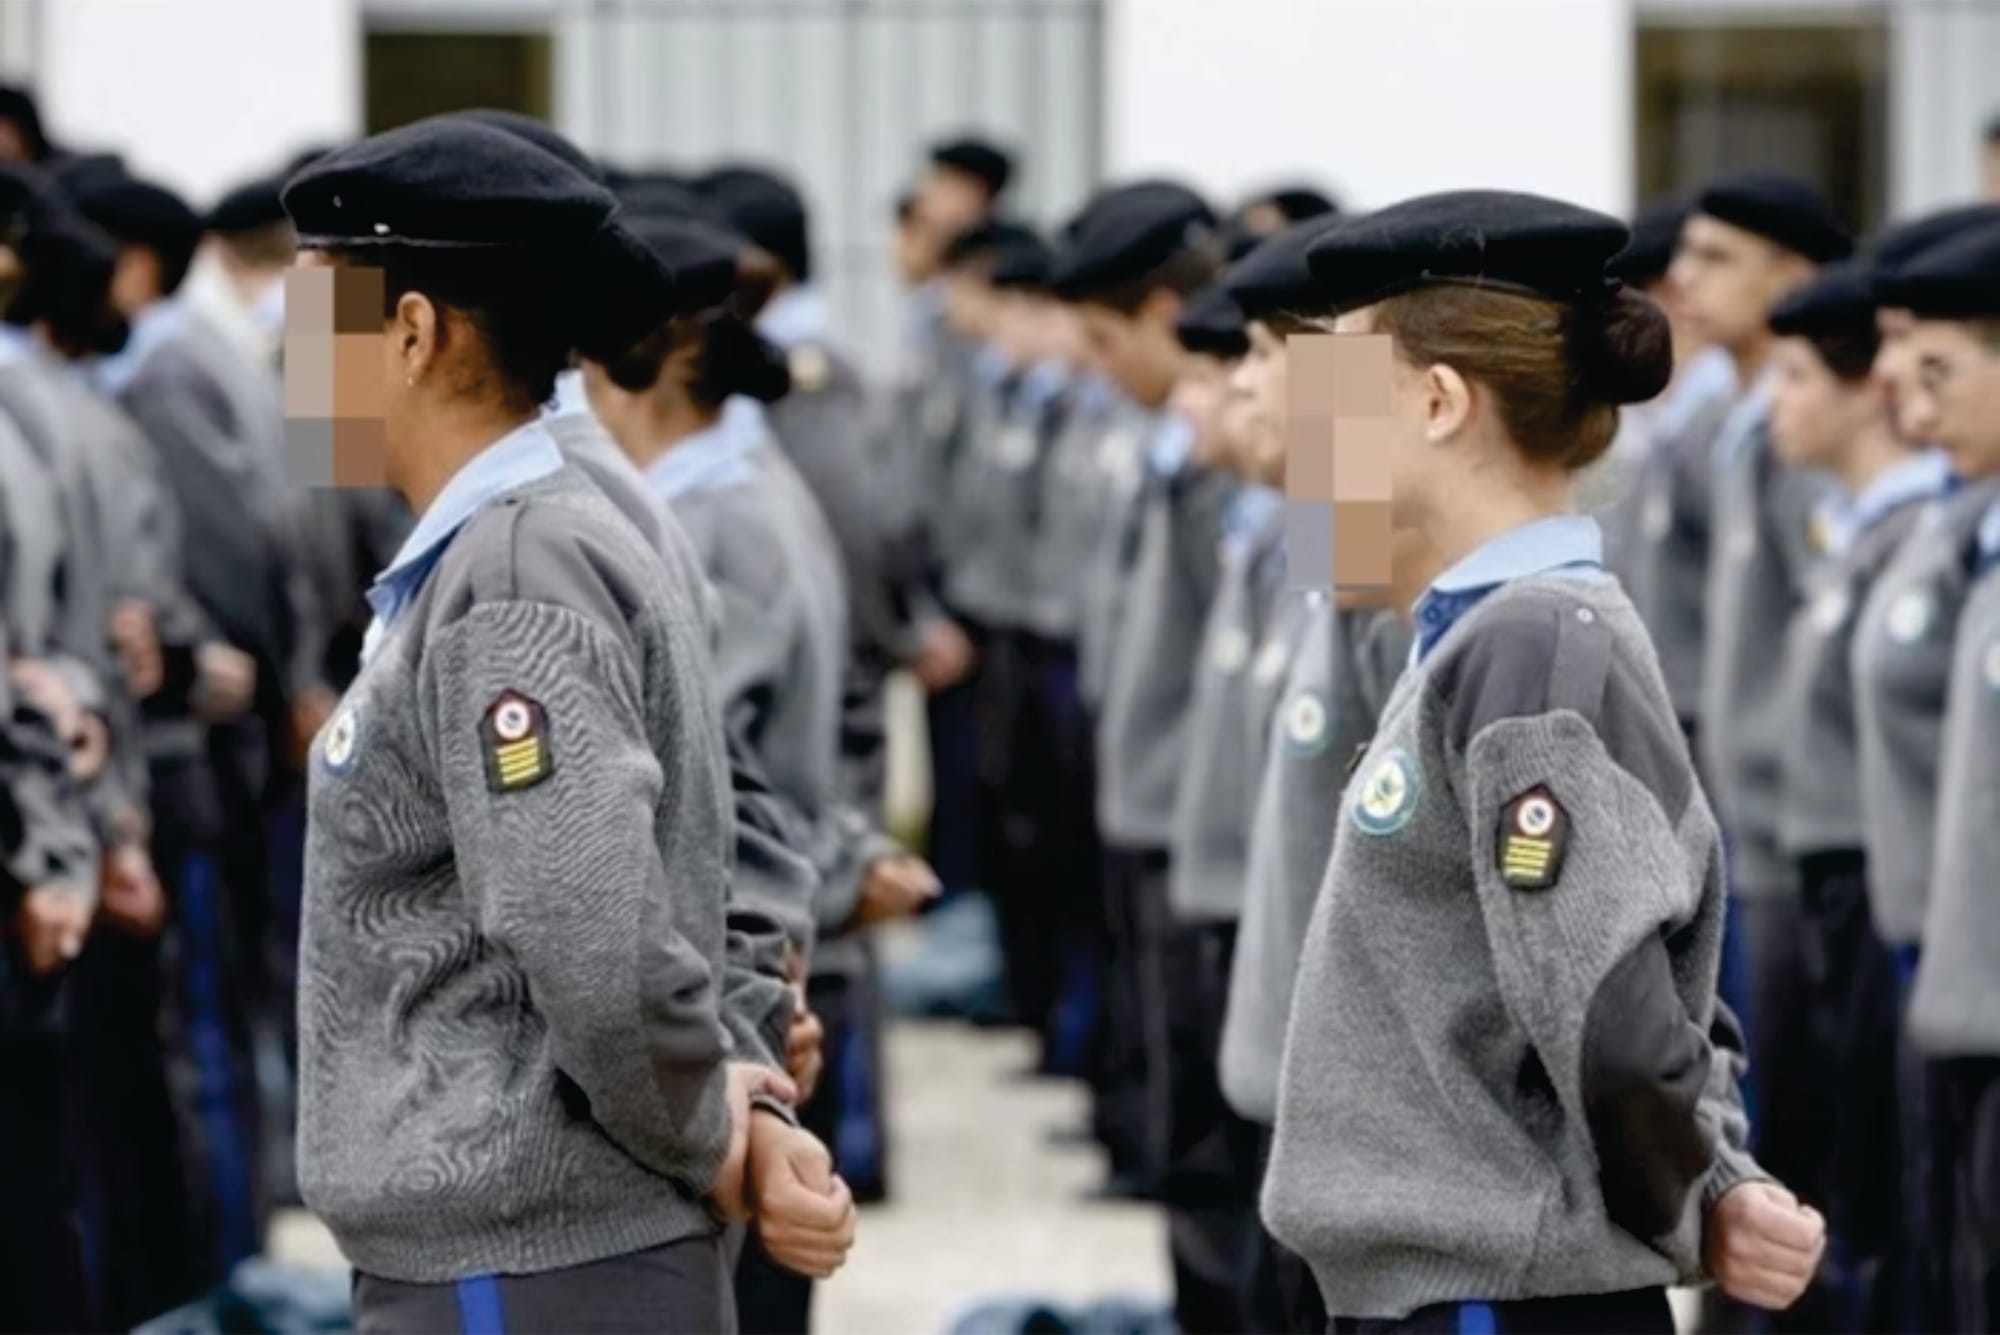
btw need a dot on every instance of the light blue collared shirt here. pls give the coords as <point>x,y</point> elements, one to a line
<point>1040,384</point>
<point>1923,476</point>
<point>1249,510</point>
<point>1740,428</point>
<point>1989,539</point>
<point>154,326</point>
<point>797,315</point>
<point>1171,445</point>
<point>1710,374</point>
<point>572,399</point>
<point>713,457</point>
<point>526,454</point>
<point>1567,544</point>
<point>991,367</point>
<point>17,345</point>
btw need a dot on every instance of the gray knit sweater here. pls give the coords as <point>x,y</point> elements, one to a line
<point>1902,669</point>
<point>511,1058</point>
<point>1495,1090</point>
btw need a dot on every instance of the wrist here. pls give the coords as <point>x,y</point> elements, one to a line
<point>772,1105</point>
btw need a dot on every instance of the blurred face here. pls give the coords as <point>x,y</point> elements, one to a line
<point>135,282</point>
<point>1256,405</point>
<point>1815,415</point>
<point>1728,279</point>
<point>1957,401</point>
<point>1896,372</point>
<point>1990,170</point>
<point>949,201</point>
<point>969,306</point>
<point>1667,297</point>
<point>1011,328</point>
<point>1140,353</point>
<point>13,144</point>
<point>1198,395</point>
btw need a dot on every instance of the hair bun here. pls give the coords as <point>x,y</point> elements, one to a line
<point>739,360</point>
<point>1626,353</point>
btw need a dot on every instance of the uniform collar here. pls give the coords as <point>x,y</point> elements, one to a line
<point>713,455</point>
<point>526,454</point>
<point>1251,513</point>
<point>797,315</point>
<point>1745,423</point>
<point>1559,542</point>
<point>1920,477</point>
<point>1710,374</point>
<point>17,345</point>
<point>155,325</point>
<point>571,398</point>
<point>990,367</point>
<point>1040,384</point>
<point>1988,538</point>
<point>1170,445</point>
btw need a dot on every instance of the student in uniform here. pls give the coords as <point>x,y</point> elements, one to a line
<point>1752,239</point>
<point>1953,293</point>
<point>682,403</point>
<point>1212,1152</point>
<point>1504,1104</point>
<point>1829,413</point>
<point>528,673</point>
<point>1901,654</point>
<point>1135,258</point>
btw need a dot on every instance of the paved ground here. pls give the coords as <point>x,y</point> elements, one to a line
<point>984,1207</point>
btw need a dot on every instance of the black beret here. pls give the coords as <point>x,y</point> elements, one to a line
<point>992,165</point>
<point>1839,300</point>
<point>1296,202</point>
<point>1275,277</point>
<point>1129,232</point>
<point>69,264</point>
<point>985,240</point>
<point>1957,279</point>
<point>662,195</point>
<point>26,193</point>
<point>249,206</point>
<point>1656,234</point>
<point>1782,208</point>
<point>451,182</point>
<point>701,257</point>
<point>140,213</point>
<point>18,105</point>
<point>1213,324</point>
<point>1902,242</point>
<point>75,173</point>
<point>766,208</point>
<point>537,132</point>
<point>1483,238</point>
<point>309,154</point>
<point>1022,260</point>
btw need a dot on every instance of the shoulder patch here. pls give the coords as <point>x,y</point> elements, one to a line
<point>1388,795</point>
<point>1306,724</point>
<point>1532,839</point>
<point>1989,666</point>
<point>341,740</point>
<point>811,368</point>
<point>514,735</point>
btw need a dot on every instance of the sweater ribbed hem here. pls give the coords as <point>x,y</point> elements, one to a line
<point>423,1251</point>
<point>1392,1292</point>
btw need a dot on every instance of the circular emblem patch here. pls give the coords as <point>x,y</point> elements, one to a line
<point>1743,542</point>
<point>809,367</point>
<point>1657,517</point>
<point>1991,665</point>
<point>1270,663</point>
<point>512,720</point>
<point>338,748</point>
<point>1537,816</point>
<point>1829,610</point>
<point>1388,797</point>
<point>1305,725</point>
<point>1910,617</point>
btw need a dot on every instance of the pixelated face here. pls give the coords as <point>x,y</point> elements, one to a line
<point>338,369</point>
<point>1896,371</point>
<point>1957,399</point>
<point>1727,279</point>
<point>1814,413</point>
<point>1341,431</point>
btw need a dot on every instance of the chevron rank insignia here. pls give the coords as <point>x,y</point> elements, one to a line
<point>515,736</point>
<point>1534,835</point>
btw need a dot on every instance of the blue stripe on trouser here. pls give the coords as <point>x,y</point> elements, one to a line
<point>479,1306</point>
<point>228,1149</point>
<point>1478,1319</point>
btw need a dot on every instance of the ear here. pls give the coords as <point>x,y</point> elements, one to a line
<point>416,335</point>
<point>1447,400</point>
<point>1162,306</point>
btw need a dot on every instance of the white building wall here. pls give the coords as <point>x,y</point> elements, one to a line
<point>1382,99</point>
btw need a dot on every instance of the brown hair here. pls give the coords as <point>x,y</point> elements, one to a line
<point>1183,273</point>
<point>1557,372</point>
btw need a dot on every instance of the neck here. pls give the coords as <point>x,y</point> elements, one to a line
<point>1749,357</point>
<point>1873,452</point>
<point>646,426</point>
<point>1468,517</point>
<point>452,435</point>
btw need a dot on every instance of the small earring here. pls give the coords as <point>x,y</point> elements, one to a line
<point>410,380</point>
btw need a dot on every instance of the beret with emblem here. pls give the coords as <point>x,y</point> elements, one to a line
<point>1275,277</point>
<point>453,183</point>
<point>1783,208</point>
<point>1213,325</point>
<point>766,208</point>
<point>1128,233</point>
<point>1957,279</point>
<point>1495,239</point>
<point>1839,301</point>
<point>1903,242</point>
<point>991,165</point>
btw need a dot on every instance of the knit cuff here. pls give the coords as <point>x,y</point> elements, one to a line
<point>1731,1169</point>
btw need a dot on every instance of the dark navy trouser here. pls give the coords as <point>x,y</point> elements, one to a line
<point>1637,1310</point>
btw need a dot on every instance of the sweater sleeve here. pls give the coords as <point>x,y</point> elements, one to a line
<point>1588,865</point>
<point>771,895</point>
<point>558,846</point>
